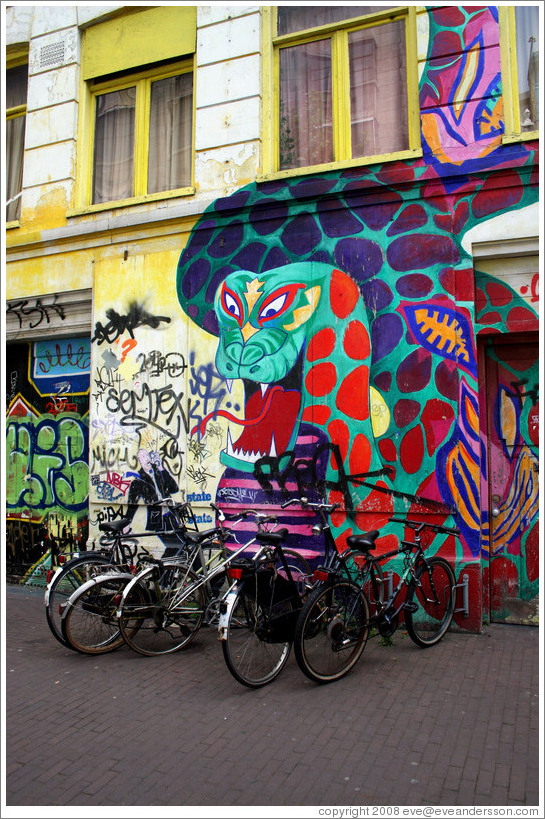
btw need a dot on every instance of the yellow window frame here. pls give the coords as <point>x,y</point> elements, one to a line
<point>89,91</point>
<point>342,137</point>
<point>509,78</point>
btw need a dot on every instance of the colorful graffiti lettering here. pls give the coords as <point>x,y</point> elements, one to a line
<point>47,464</point>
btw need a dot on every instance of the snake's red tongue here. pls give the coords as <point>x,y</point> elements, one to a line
<point>271,433</point>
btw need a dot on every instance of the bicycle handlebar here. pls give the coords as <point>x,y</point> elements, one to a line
<point>259,516</point>
<point>305,503</point>
<point>425,525</point>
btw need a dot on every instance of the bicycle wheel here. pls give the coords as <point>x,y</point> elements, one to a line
<point>332,631</point>
<point>162,610</point>
<point>430,602</point>
<point>252,660</point>
<point>65,582</point>
<point>89,624</point>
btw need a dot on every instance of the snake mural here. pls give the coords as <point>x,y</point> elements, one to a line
<point>344,302</point>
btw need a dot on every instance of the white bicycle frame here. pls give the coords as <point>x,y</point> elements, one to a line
<point>181,596</point>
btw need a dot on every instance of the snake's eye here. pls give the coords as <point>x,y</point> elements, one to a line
<point>278,302</point>
<point>231,304</point>
<point>273,308</point>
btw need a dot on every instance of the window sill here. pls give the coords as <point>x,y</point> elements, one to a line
<point>365,161</point>
<point>135,200</point>
<point>14,224</point>
<point>526,136</point>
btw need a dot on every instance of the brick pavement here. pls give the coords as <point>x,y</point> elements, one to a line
<point>456,724</point>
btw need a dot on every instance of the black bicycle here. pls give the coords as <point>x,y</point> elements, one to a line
<point>258,616</point>
<point>337,619</point>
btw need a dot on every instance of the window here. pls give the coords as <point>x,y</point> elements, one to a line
<point>135,137</point>
<point>344,81</point>
<point>16,98</point>
<point>142,135</point>
<point>519,26</point>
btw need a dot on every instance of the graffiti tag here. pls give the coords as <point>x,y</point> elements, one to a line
<point>118,324</point>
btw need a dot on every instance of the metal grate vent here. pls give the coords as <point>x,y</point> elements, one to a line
<point>52,54</point>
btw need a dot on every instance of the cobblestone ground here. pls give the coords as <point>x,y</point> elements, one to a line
<point>453,725</point>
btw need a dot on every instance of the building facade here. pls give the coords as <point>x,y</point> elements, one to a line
<point>259,252</point>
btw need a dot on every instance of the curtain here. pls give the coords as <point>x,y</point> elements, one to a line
<point>306,128</point>
<point>298,18</point>
<point>171,113</point>
<point>16,95</point>
<point>15,140</point>
<point>527,28</point>
<point>378,90</point>
<point>113,170</point>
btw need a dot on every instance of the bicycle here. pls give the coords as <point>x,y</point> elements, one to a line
<point>162,609</point>
<point>345,560</point>
<point>257,624</point>
<point>258,615</point>
<point>336,620</point>
<point>117,552</point>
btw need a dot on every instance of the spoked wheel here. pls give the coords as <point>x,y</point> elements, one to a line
<point>251,656</point>
<point>65,582</point>
<point>162,614</point>
<point>332,631</point>
<point>89,624</point>
<point>430,602</point>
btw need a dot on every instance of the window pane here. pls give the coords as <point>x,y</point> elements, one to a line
<point>16,86</point>
<point>297,18</point>
<point>171,114</point>
<point>114,146</point>
<point>527,26</point>
<point>306,130</point>
<point>378,90</point>
<point>15,139</point>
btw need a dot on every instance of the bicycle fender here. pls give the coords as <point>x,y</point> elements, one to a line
<point>225,612</point>
<point>48,587</point>
<point>58,571</point>
<point>87,585</point>
<point>135,578</point>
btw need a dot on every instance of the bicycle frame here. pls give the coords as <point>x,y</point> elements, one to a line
<point>387,612</point>
<point>183,594</point>
<point>413,556</point>
<point>269,553</point>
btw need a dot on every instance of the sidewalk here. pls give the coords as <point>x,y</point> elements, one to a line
<point>456,724</point>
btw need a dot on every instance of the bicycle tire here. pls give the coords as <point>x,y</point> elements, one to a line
<point>434,595</point>
<point>152,626</point>
<point>64,583</point>
<point>252,661</point>
<point>332,631</point>
<point>89,624</point>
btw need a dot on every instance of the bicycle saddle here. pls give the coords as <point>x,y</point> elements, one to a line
<point>272,537</point>
<point>114,525</point>
<point>363,543</point>
<point>199,537</point>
